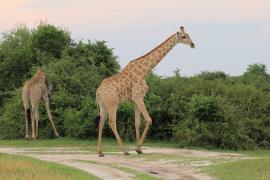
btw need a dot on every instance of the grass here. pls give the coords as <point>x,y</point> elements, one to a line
<point>249,169</point>
<point>59,142</point>
<point>71,142</point>
<point>256,153</point>
<point>24,168</point>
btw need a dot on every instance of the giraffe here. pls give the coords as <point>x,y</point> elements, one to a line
<point>34,89</point>
<point>130,85</point>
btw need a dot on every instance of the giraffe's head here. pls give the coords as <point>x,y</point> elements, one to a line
<point>184,38</point>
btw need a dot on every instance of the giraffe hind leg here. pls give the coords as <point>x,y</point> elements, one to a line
<point>112,123</point>
<point>102,118</point>
<point>27,117</point>
<point>27,113</point>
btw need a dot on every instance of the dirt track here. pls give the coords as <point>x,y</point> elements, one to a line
<point>164,163</point>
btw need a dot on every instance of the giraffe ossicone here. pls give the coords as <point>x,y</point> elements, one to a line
<point>130,85</point>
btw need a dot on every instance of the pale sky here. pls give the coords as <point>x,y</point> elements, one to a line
<point>228,34</point>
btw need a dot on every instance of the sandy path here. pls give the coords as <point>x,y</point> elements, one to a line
<point>110,166</point>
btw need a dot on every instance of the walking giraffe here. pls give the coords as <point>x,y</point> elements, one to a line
<point>130,85</point>
<point>34,89</point>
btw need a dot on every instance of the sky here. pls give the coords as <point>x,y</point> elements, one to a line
<point>228,34</point>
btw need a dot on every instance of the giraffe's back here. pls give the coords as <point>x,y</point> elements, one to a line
<point>37,85</point>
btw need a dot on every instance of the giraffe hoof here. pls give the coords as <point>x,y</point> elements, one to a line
<point>100,155</point>
<point>126,153</point>
<point>139,151</point>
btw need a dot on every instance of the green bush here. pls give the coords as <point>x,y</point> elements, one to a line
<point>211,122</point>
<point>12,120</point>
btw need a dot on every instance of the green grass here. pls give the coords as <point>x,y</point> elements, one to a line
<point>24,168</point>
<point>250,169</point>
<point>70,142</point>
<point>59,142</point>
<point>256,153</point>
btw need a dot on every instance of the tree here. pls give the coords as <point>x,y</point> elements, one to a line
<point>256,68</point>
<point>50,39</point>
<point>16,60</point>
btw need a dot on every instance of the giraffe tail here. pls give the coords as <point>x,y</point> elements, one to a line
<point>28,116</point>
<point>97,106</point>
<point>98,111</point>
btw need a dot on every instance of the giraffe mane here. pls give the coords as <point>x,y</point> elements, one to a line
<point>153,49</point>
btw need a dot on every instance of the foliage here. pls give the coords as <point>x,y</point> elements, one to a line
<point>16,58</point>
<point>12,123</point>
<point>213,75</point>
<point>50,39</point>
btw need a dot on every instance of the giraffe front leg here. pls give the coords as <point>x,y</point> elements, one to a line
<point>137,127</point>
<point>141,106</point>
<point>47,107</point>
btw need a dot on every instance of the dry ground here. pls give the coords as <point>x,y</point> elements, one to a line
<point>155,163</point>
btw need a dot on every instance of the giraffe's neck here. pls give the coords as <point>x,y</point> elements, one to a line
<point>151,59</point>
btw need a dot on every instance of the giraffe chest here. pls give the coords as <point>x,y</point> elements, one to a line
<point>131,89</point>
<point>124,91</point>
